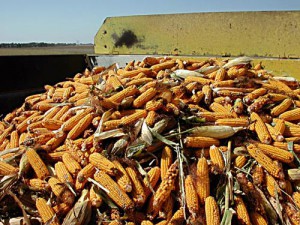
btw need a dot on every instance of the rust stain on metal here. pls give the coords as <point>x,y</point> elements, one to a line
<point>128,38</point>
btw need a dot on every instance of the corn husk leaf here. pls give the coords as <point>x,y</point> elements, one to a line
<point>160,125</point>
<point>146,134</point>
<point>109,134</point>
<point>80,214</point>
<point>294,174</point>
<point>227,217</point>
<point>163,139</point>
<point>103,119</point>
<point>237,61</point>
<point>120,145</point>
<point>208,70</point>
<point>219,132</point>
<point>136,149</point>
<point>185,73</point>
<point>20,204</point>
<point>24,165</point>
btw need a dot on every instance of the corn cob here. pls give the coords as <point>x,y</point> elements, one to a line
<point>122,177</point>
<point>55,142</point>
<point>146,222</point>
<point>212,116</point>
<point>83,175</point>
<point>61,191</point>
<point>7,169</point>
<point>139,81</point>
<point>216,159</point>
<point>62,173</point>
<point>80,127</point>
<point>264,161</point>
<point>202,182</point>
<point>255,94</point>
<point>163,222</point>
<point>191,196</point>
<point>61,209</point>
<point>166,186</point>
<point>61,112</point>
<point>218,108</point>
<point>111,124</point>
<point>46,212</point>
<point>199,80</point>
<point>258,175</point>
<point>233,122</point>
<point>151,117</point>
<point>153,177</point>
<point>52,124</point>
<point>200,142</point>
<point>166,95</point>
<point>133,73</point>
<point>290,115</point>
<point>78,96</point>
<point>177,218</point>
<point>118,97</point>
<point>261,129</point>
<point>52,113</point>
<point>37,164</point>
<point>134,117</point>
<point>296,198</point>
<point>23,126</point>
<point>72,165</point>
<point>154,105</point>
<point>165,65</point>
<point>284,145</point>
<point>272,185</point>
<point>292,214</point>
<point>94,197</point>
<point>70,123</point>
<point>5,133</point>
<point>14,139</point>
<point>166,211</point>
<point>282,107</point>
<point>207,94</point>
<point>102,163</point>
<point>38,184</point>
<point>276,153</point>
<point>138,190</point>
<point>115,193</point>
<point>279,126</point>
<point>212,211</point>
<point>4,144</point>
<point>241,211</point>
<point>144,97</point>
<point>166,160</point>
<point>236,72</point>
<point>221,73</point>
<point>276,136</point>
<point>257,219</point>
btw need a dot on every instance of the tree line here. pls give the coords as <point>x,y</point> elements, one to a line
<point>33,44</point>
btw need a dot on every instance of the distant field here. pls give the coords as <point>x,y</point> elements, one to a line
<point>57,50</point>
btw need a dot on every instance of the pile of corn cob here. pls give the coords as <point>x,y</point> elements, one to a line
<point>161,141</point>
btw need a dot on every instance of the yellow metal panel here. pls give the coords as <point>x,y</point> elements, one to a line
<point>264,34</point>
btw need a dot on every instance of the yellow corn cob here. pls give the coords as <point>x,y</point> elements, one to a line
<point>70,123</point>
<point>290,115</point>
<point>212,211</point>
<point>257,219</point>
<point>221,73</point>
<point>254,94</point>
<point>6,169</point>
<point>292,131</point>
<point>178,91</point>
<point>114,82</point>
<point>225,83</point>
<point>101,162</point>
<point>197,97</point>
<point>52,124</point>
<point>146,222</point>
<point>177,218</point>
<point>78,96</point>
<point>166,211</point>
<point>83,175</point>
<point>272,185</point>
<point>276,153</point>
<point>284,145</point>
<point>202,183</point>
<point>235,72</point>
<point>170,107</point>
<point>62,173</point>
<point>207,91</point>
<point>151,84</point>
<point>153,177</point>
<point>134,117</point>
<point>61,191</point>
<point>61,209</point>
<point>37,164</point>
<point>138,190</point>
<point>165,65</point>
<point>163,222</point>
<point>216,159</point>
<point>200,142</point>
<point>240,161</point>
<point>279,126</point>
<point>72,165</point>
<point>216,107</point>
<point>118,97</point>
<point>258,175</point>
<point>38,184</point>
<point>14,139</point>
<point>111,124</point>
<point>150,119</point>
<point>115,193</point>
<point>166,95</point>
<point>139,81</point>
<point>5,133</point>
<point>115,222</point>
<point>55,142</point>
<point>133,73</point>
<point>282,107</point>
<point>166,160</point>
<point>199,80</point>
<point>296,198</point>
<point>122,177</point>
<point>46,212</point>
<point>213,116</point>
<point>23,137</point>
<point>94,197</point>
<point>241,211</point>
<point>144,97</point>
<point>166,186</point>
<point>261,129</point>
<point>264,161</point>
<point>276,136</point>
<point>80,127</point>
<point>292,213</point>
<point>23,126</point>
<point>154,105</point>
<point>191,196</point>
<point>53,112</point>
<point>191,86</point>
<point>61,112</point>
<point>233,122</point>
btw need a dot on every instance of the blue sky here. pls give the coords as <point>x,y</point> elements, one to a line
<point>78,21</point>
